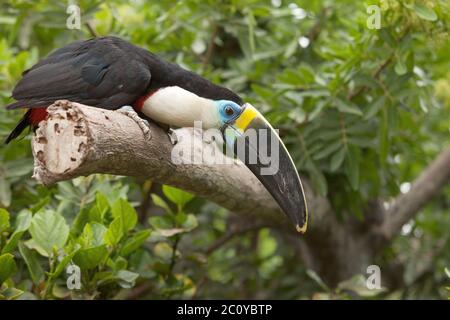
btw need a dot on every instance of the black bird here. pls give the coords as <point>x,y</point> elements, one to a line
<point>110,73</point>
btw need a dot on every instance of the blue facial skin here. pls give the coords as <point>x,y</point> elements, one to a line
<point>227,117</point>
<point>228,111</point>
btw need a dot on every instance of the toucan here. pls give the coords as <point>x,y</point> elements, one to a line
<point>109,73</point>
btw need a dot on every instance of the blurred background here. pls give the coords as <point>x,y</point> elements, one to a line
<point>363,108</point>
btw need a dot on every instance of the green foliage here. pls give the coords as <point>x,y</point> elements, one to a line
<point>7,266</point>
<point>362,112</point>
<point>49,231</point>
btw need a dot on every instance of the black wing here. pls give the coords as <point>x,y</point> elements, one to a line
<point>103,72</point>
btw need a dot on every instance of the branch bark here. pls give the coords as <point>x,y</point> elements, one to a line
<point>405,206</point>
<point>78,140</point>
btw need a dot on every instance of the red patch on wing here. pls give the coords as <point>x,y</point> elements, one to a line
<point>37,115</point>
<point>139,103</point>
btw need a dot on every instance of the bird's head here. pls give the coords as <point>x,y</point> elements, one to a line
<point>248,135</point>
<point>253,140</point>
<point>228,111</point>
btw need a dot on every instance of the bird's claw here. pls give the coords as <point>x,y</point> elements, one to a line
<point>142,123</point>
<point>172,136</point>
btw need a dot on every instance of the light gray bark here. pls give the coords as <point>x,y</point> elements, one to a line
<point>78,140</point>
<point>405,206</point>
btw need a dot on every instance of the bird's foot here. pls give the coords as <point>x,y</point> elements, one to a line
<point>172,136</point>
<point>142,123</point>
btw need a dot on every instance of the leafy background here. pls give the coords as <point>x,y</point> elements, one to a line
<point>362,112</point>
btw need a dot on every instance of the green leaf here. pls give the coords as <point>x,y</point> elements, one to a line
<point>383,136</point>
<point>291,77</point>
<point>99,209</point>
<point>119,264</point>
<point>374,107</point>
<point>425,12</point>
<point>163,250</point>
<point>318,179</point>
<point>387,37</point>
<point>329,149</point>
<point>49,230</point>
<point>12,242</point>
<point>41,203</point>
<point>291,48</point>
<point>63,263</point>
<point>32,262</point>
<point>80,221</point>
<point>177,196</point>
<point>347,107</point>
<point>5,192</point>
<point>127,279</point>
<point>122,209</point>
<point>114,232</point>
<point>4,220</point>
<point>90,258</point>
<point>103,277</point>
<point>18,167</point>
<point>352,168</point>
<point>161,222</point>
<point>10,293</point>
<point>189,223</point>
<point>320,183</point>
<point>157,200</point>
<point>337,159</point>
<point>168,232</point>
<point>358,285</point>
<point>7,267</point>
<point>134,243</point>
<point>93,235</point>
<point>314,276</point>
<point>400,67</point>
<point>166,227</point>
<point>31,244</point>
<point>267,244</point>
<point>23,222</point>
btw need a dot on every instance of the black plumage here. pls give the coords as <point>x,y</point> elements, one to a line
<point>105,72</point>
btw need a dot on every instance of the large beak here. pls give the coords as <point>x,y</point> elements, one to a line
<point>258,145</point>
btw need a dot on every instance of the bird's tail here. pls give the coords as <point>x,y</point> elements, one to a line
<point>22,125</point>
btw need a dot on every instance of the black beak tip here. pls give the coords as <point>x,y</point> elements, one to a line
<point>301,228</point>
<point>300,221</point>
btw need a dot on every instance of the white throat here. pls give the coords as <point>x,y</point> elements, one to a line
<point>178,107</point>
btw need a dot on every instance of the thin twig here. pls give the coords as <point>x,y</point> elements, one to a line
<point>210,49</point>
<point>375,75</point>
<point>91,29</point>
<point>140,291</point>
<point>174,252</point>
<point>231,234</point>
<point>316,29</point>
<point>148,187</point>
<point>379,70</point>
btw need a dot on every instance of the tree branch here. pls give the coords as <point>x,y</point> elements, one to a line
<point>233,232</point>
<point>210,49</point>
<point>430,182</point>
<point>78,140</point>
<point>91,29</point>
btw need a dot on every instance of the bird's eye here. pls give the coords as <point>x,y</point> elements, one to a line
<point>229,111</point>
